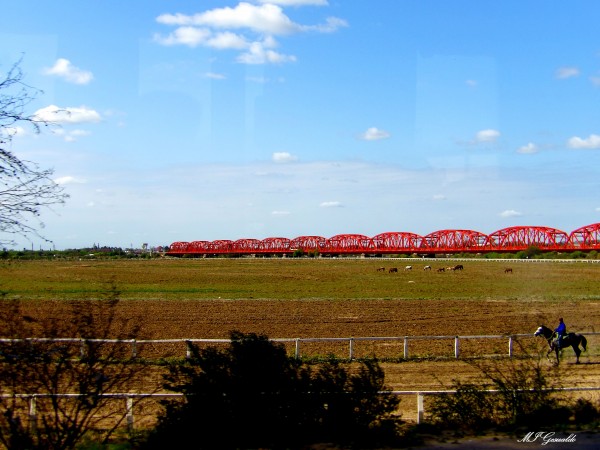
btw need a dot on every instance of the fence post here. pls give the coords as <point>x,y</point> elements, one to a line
<point>130,419</point>
<point>188,349</point>
<point>297,351</point>
<point>420,407</point>
<point>33,414</point>
<point>82,349</point>
<point>133,348</point>
<point>405,347</point>
<point>351,348</point>
<point>456,347</point>
<point>510,346</point>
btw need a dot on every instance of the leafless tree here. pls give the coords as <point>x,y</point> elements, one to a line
<point>46,369</point>
<point>25,188</point>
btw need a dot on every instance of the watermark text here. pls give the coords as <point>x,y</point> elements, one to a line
<point>546,437</point>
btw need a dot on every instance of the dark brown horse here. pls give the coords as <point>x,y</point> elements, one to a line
<point>570,340</point>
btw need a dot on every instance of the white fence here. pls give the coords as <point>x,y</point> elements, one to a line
<point>131,397</point>
<point>351,343</point>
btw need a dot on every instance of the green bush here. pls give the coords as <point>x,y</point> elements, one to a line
<point>470,408</point>
<point>253,395</point>
<point>584,411</point>
<point>577,254</point>
<point>524,396</point>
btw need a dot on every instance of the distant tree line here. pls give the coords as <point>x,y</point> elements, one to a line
<point>81,253</point>
<point>107,252</point>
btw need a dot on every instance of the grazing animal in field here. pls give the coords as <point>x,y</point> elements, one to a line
<point>450,268</point>
<point>408,268</point>
<point>458,267</point>
<point>508,270</point>
<point>570,340</point>
<point>441,269</point>
<point>393,269</point>
<point>381,269</point>
<point>427,268</point>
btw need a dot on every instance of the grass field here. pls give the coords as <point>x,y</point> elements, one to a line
<point>301,279</point>
<point>207,298</point>
<point>307,298</point>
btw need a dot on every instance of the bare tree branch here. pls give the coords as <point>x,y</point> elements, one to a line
<point>25,189</point>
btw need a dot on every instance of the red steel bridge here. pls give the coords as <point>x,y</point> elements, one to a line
<point>512,239</point>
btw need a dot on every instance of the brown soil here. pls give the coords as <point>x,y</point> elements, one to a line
<point>433,369</point>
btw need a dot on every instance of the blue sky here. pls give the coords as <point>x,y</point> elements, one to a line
<point>205,120</point>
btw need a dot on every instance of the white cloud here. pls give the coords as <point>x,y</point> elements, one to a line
<point>189,36</point>
<point>68,180</point>
<point>213,28</point>
<point>439,197</point>
<point>280,213</point>
<point>215,76</point>
<point>283,157</point>
<point>267,19</point>
<point>591,142</point>
<point>11,132</point>
<point>70,136</point>
<point>510,213</point>
<point>528,149</point>
<point>257,54</point>
<point>331,204</point>
<point>374,134</point>
<point>331,25</point>
<point>488,135</point>
<point>563,73</point>
<point>226,40</point>
<point>55,114</point>
<point>63,68</point>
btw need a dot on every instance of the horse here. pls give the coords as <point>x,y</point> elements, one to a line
<point>458,267</point>
<point>570,340</point>
<point>408,268</point>
<point>427,268</point>
<point>381,269</point>
<point>441,269</point>
<point>508,270</point>
<point>393,269</point>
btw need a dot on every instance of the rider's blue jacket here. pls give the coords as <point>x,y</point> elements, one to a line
<point>561,328</point>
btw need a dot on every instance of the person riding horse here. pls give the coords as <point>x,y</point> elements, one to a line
<point>561,331</point>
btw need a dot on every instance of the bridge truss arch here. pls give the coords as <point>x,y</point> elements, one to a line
<point>246,246</point>
<point>587,237</point>
<point>349,243</point>
<point>220,246</point>
<point>275,245</point>
<point>308,243</point>
<point>448,241</point>
<point>397,242</point>
<point>520,238</point>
